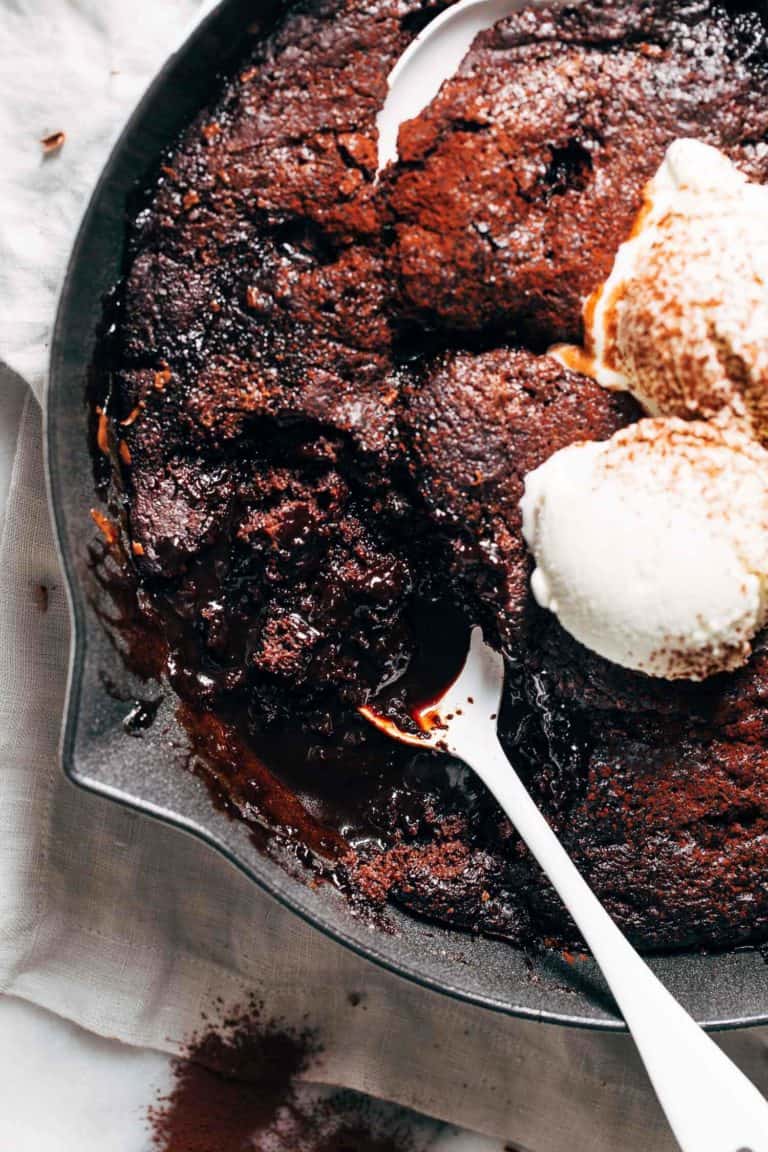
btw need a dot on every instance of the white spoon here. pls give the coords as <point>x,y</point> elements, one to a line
<point>430,59</point>
<point>710,1104</point>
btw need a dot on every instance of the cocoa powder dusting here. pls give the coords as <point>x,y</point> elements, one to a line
<point>236,1090</point>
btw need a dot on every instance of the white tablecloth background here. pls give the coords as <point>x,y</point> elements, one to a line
<point>110,920</point>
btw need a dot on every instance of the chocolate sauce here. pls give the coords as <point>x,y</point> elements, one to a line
<point>130,624</point>
<point>245,778</point>
<point>333,793</point>
<point>327,791</point>
<point>442,642</point>
<point>141,716</point>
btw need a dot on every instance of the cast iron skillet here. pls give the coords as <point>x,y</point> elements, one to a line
<point>721,991</point>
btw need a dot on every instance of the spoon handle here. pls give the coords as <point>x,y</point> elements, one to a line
<point>710,1104</point>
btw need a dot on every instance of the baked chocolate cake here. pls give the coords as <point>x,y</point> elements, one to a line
<point>323,396</point>
<point>520,181</point>
<point>473,426</point>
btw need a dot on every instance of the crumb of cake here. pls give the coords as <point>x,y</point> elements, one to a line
<point>53,143</point>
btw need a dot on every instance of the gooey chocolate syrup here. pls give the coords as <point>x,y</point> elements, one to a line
<point>322,796</point>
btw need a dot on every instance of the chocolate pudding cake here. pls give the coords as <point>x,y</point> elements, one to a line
<point>517,185</point>
<point>322,397</point>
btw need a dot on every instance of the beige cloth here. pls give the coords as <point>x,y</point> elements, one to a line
<point>121,924</point>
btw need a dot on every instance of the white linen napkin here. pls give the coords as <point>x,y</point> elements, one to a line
<point>125,926</point>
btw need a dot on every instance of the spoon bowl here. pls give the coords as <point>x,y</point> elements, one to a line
<point>434,56</point>
<point>465,710</point>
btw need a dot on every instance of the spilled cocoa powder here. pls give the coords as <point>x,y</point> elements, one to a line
<point>236,1090</point>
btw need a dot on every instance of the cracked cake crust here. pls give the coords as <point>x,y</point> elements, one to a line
<point>519,182</point>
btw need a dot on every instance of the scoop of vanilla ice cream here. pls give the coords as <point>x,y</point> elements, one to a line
<point>682,321</point>
<point>652,547</point>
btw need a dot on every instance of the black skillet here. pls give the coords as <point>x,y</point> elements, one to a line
<point>723,990</point>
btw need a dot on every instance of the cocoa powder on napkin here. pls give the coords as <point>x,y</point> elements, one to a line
<point>236,1088</point>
